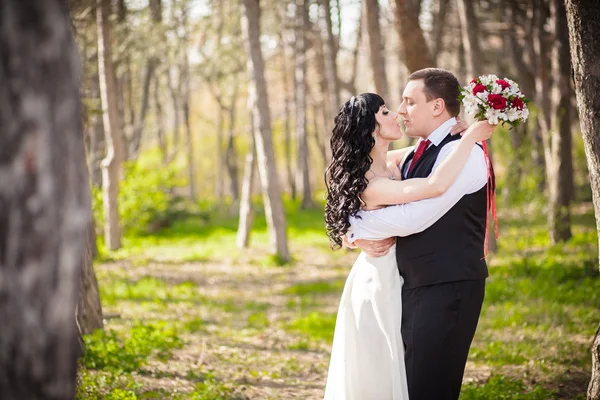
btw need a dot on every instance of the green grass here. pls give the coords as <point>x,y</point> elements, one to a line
<point>256,321</point>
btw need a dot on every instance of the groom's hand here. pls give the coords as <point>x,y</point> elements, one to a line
<point>375,248</point>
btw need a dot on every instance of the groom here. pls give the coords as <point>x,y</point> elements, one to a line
<point>439,242</point>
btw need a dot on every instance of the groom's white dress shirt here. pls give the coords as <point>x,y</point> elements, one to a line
<point>410,218</point>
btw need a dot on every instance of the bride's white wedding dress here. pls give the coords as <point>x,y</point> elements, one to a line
<point>367,356</point>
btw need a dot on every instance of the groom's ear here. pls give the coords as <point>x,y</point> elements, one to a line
<point>439,106</point>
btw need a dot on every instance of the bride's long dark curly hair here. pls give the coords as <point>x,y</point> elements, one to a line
<point>351,143</point>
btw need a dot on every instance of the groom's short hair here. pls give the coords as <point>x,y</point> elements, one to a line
<point>440,83</point>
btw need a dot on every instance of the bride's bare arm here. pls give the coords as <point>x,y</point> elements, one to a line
<point>384,192</point>
<point>395,157</point>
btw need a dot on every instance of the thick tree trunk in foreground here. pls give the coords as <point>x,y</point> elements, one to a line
<point>44,201</point>
<point>583,22</point>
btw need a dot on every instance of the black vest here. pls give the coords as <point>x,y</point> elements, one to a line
<point>452,248</point>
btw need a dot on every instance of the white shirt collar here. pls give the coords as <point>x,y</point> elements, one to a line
<point>441,131</point>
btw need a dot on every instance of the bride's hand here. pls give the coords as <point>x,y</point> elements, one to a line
<point>375,248</point>
<point>479,131</point>
<point>460,127</point>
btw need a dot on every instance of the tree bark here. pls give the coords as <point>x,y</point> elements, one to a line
<point>412,40</point>
<point>470,38</point>
<point>376,47</point>
<point>583,21</point>
<point>231,154</point>
<point>160,122</point>
<point>438,29</point>
<point>185,81</point>
<point>220,157</point>
<point>302,171</point>
<point>111,165</point>
<point>89,307</point>
<point>287,117</point>
<point>561,184</point>
<point>246,210</point>
<point>262,126</point>
<point>44,201</point>
<point>329,53</point>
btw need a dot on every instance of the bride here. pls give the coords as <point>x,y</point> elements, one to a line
<point>367,357</point>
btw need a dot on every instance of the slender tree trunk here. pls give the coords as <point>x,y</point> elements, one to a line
<point>111,165</point>
<point>246,210</point>
<point>262,126</point>
<point>470,37</point>
<point>415,49</point>
<point>329,53</point>
<point>44,201</point>
<point>355,58</point>
<point>287,117</point>
<point>376,46</point>
<point>583,21</point>
<point>302,171</point>
<point>96,130</point>
<point>151,65</point>
<point>438,29</point>
<point>220,156</point>
<point>231,157</point>
<point>185,82</point>
<point>160,121</point>
<point>543,83</point>
<point>173,89</point>
<point>138,128</point>
<point>561,185</point>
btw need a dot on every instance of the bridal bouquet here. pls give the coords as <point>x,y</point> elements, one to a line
<point>495,100</point>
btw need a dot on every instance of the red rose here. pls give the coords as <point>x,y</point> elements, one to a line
<point>517,103</point>
<point>479,88</point>
<point>497,101</point>
<point>474,80</point>
<point>503,83</point>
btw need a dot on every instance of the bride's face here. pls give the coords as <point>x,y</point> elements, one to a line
<point>388,124</point>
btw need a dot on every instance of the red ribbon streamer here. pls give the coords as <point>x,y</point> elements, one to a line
<point>490,199</point>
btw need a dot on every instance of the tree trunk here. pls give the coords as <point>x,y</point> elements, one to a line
<point>329,53</point>
<point>89,308</point>
<point>231,154</point>
<point>438,29</point>
<point>160,122</point>
<point>543,83</point>
<point>96,131</point>
<point>287,116</point>
<point>376,46</point>
<point>44,201</point>
<point>220,157</point>
<point>412,40</point>
<point>185,81</point>
<point>302,171</point>
<point>583,20</point>
<point>470,38</point>
<point>138,128</point>
<point>246,210</point>
<point>111,165</point>
<point>262,126</point>
<point>174,90</point>
<point>561,184</point>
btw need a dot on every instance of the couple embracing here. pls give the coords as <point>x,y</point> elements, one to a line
<point>411,303</point>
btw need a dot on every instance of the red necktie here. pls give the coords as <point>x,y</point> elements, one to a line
<point>420,150</point>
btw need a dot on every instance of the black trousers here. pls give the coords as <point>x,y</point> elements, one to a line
<point>438,325</point>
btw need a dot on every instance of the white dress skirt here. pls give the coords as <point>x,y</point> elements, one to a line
<point>367,355</point>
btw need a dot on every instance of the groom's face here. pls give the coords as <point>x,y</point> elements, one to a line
<point>417,113</point>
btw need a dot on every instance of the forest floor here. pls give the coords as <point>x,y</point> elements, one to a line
<point>189,316</point>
